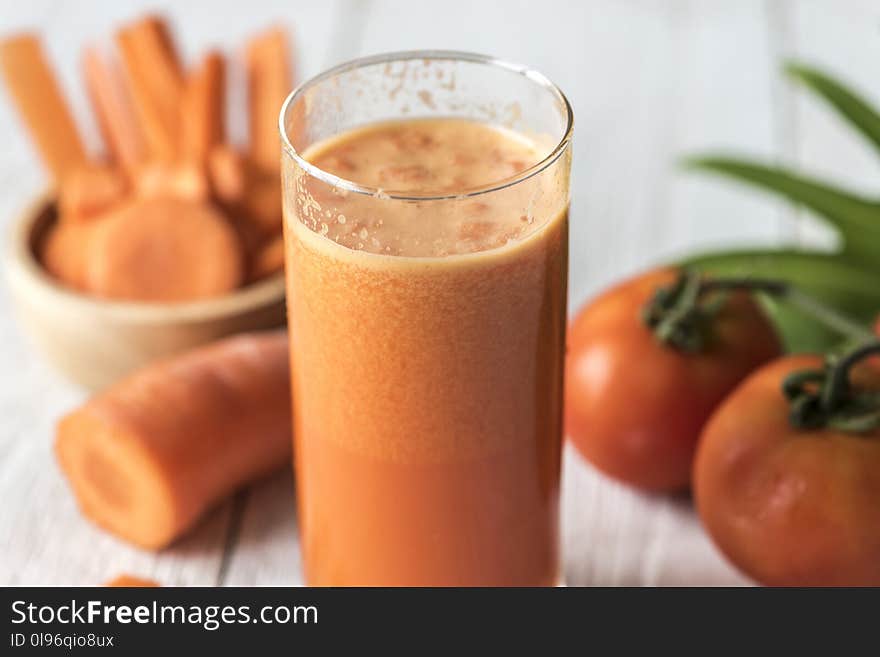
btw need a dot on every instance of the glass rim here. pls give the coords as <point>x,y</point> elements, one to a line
<point>405,55</point>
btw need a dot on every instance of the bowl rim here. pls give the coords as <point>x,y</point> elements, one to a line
<point>21,258</point>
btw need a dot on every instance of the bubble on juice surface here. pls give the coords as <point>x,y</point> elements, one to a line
<point>476,230</point>
<point>435,158</point>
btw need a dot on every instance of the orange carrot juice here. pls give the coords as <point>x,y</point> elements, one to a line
<point>427,328</point>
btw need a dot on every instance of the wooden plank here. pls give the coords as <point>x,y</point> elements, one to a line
<point>265,550</point>
<point>721,98</point>
<point>616,536</point>
<point>43,538</point>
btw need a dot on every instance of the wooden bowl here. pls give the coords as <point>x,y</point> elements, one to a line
<point>96,341</point>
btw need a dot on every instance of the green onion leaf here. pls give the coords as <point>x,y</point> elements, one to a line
<point>847,102</point>
<point>856,218</point>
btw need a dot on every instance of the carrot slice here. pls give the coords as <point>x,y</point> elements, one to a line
<point>180,180</point>
<point>268,260</point>
<point>155,76</point>
<point>36,93</point>
<point>203,108</point>
<point>64,252</point>
<point>163,249</point>
<point>131,580</point>
<point>153,452</point>
<point>270,79</point>
<point>88,191</point>
<point>113,108</point>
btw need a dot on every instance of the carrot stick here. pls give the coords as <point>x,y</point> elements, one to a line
<point>112,106</point>
<point>270,79</point>
<point>268,260</point>
<point>152,453</point>
<point>164,250</point>
<point>147,457</point>
<point>131,580</point>
<point>36,93</point>
<point>89,191</point>
<point>203,108</point>
<point>155,76</point>
<point>228,173</point>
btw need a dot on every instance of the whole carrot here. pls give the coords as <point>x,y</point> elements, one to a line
<point>147,457</point>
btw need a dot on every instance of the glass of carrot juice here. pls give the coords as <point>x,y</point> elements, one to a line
<point>426,232</point>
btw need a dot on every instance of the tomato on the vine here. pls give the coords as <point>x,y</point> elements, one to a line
<point>634,404</point>
<point>788,486</point>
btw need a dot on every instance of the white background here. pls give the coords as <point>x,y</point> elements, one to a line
<point>650,80</point>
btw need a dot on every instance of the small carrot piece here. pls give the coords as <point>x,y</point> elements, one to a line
<point>163,250</point>
<point>64,252</point>
<point>36,93</point>
<point>131,581</point>
<point>268,260</point>
<point>113,109</point>
<point>261,204</point>
<point>228,173</point>
<point>270,79</point>
<point>155,76</point>
<point>89,191</point>
<point>203,108</point>
<point>251,198</point>
<point>148,456</point>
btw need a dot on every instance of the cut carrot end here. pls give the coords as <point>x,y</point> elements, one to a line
<point>116,483</point>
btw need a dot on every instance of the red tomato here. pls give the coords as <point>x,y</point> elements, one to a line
<point>790,507</point>
<point>635,407</point>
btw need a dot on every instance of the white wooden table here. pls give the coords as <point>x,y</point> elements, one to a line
<point>649,80</point>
